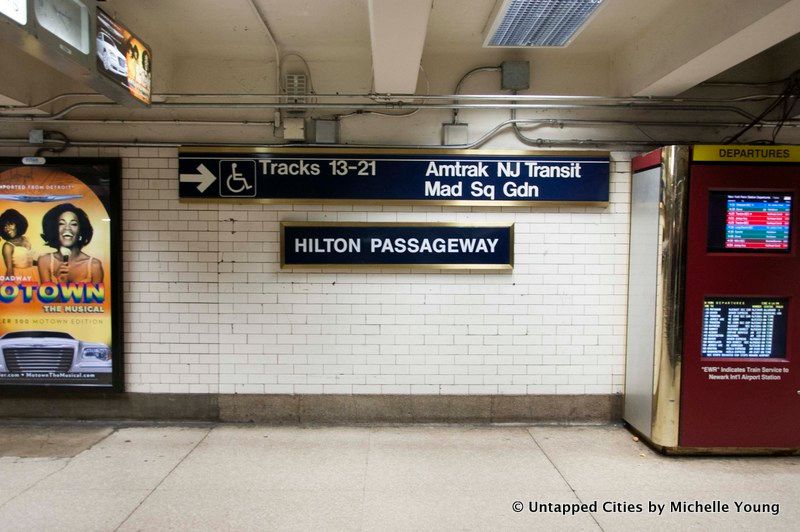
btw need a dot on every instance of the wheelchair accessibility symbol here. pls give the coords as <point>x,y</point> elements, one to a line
<point>237,178</point>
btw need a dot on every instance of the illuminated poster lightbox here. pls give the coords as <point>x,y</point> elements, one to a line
<point>749,222</point>
<point>60,319</point>
<point>123,57</point>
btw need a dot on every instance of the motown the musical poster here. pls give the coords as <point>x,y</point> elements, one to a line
<point>60,324</point>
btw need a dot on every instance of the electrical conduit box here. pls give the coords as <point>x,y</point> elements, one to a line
<point>294,128</point>
<point>713,341</point>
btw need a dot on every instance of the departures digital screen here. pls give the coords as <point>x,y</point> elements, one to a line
<point>745,327</point>
<point>749,222</point>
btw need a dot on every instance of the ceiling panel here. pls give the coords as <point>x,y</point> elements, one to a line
<point>230,29</point>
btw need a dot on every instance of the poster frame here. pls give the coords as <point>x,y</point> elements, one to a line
<point>114,165</point>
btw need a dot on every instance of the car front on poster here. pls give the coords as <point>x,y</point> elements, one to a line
<point>51,352</point>
<point>113,60</point>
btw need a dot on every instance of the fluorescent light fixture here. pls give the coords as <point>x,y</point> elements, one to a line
<point>543,23</point>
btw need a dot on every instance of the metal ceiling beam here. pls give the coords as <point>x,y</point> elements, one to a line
<point>698,40</point>
<point>397,33</point>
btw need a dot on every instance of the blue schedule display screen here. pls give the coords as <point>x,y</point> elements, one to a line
<point>749,222</point>
<point>744,327</point>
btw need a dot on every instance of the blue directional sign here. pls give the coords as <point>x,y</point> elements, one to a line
<point>440,177</point>
<point>421,245</point>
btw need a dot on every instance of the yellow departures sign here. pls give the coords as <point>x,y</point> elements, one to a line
<point>746,153</point>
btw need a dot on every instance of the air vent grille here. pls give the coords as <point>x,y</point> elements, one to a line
<point>545,23</point>
<point>296,84</point>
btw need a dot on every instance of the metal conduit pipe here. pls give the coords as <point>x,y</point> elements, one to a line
<point>166,122</point>
<point>644,100</point>
<point>504,106</point>
<point>515,122</point>
<point>611,143</point>
<point>543,143</point>
<point>558,122</point>
<point>384,106</point>
<point>464,78</point>
<point>549,122</point>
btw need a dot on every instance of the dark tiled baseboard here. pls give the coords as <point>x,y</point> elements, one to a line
<point>322,409</point>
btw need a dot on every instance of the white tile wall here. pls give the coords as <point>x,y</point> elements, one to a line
<point>207,308</point>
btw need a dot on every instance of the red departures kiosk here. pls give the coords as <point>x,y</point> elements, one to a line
<point>713,345</point>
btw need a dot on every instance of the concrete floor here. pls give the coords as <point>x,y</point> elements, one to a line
<point>233,477</point>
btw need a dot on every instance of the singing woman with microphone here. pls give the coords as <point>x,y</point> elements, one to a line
<point>67,229</point>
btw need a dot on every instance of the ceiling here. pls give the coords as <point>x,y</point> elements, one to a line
<point>629,47</point>
<point>336,29</point>
<point>640,43</point>
<point>320,30</point>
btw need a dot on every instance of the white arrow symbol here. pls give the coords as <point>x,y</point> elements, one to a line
<point>204,178</point>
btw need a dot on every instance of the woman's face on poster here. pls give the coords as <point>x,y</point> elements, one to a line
<point>11,229</point>
<point>68,229</point>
